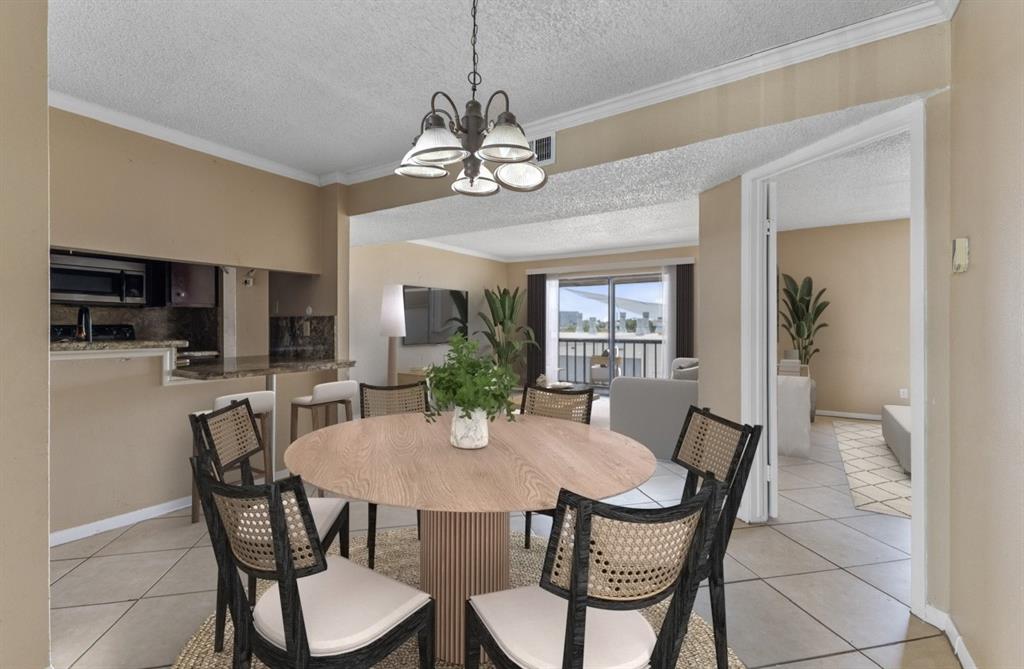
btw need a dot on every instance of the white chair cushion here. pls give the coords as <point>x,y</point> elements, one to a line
<point>335,391</point>
<point>529,626</point>
<point>345,608</point>
<point>261,401</point>
<point>304,400</point>
<point>325,510</point>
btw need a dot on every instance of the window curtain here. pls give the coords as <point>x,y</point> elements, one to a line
<point>551,337</point>
<point>668,319</point>
<point>685,312</point>
<point>536,318</point>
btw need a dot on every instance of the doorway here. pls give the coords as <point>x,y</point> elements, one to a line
<point>759,304</point>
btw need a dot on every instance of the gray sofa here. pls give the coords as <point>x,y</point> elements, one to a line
<point>651,411</point>
<point>896,422</point>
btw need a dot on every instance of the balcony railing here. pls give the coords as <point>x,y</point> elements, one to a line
<point>580,358</point>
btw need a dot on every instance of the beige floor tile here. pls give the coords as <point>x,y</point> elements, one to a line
<point>151,634</point>
<point>116,578</point>
<point>630,497</point>
<point>792,512</point>
<point>195,572</point>
<point>901,488</point>
<point>73,630</point>
<point>933,653</point>
<point>883,508</point>
<point>892,578</point>
<point>821,474</point>
<point>667,467</point>
<point>853,660</point>
<point>768,553</point>
<point>765,628</point>
<point>865,478</point>
<point>791,481</point>
<point>826,501</point>
<point>902,504</point>
<point>87,547</point>
<point>887,529</point>
<point>882,460</point>
<point>734,571</point>
<point>876,493</point>
<point>840,543</point>
<point>668,488</point>
<point>60,567</point>
<point>790,460</point>
<point>826,454</point>
<point>157,535</point>
<point>856,611</point>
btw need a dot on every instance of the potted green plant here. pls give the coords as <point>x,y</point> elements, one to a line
<point>475,387</point>
<point>800,319</point>
<point>508,339</point>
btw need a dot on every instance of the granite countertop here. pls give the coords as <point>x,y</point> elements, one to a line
<point>117,345</point>
<point>257,365</point>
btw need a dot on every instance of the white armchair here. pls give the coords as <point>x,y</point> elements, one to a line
<point>685,369</point>
<point>652,411</point>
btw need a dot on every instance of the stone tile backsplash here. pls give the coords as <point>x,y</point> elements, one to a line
<point>288,335</point>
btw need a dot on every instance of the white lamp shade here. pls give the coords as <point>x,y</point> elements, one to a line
<point>411,168</point>
<point>438,146</point>
<point>392,312</point>
<point>483,184</point>
<point>505,143</point>
<point>522,177</point>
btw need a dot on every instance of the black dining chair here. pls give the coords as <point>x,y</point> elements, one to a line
<point>226,440</point>
<point>603,564</point>
<point>713,448</point>
<point>322,611</point>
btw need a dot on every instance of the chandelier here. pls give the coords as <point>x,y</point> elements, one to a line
<point>474,139</point>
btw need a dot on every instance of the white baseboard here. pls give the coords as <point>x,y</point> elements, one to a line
<point>114,522</point>
<point>944,622</point>
<point>847,414</point>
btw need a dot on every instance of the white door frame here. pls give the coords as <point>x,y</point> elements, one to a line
<point>758,260</point>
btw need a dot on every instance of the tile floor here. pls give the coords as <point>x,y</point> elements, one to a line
<point>824,586</point>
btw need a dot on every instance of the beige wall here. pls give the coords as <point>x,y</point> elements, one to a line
<point>865,350</point>
<point>373,267</point>
<point>117,191</point>
<point>986,367</point>
<point>252,325</point>
<point>718,299</point>
<point>24,303</point>
<point>903,65</point>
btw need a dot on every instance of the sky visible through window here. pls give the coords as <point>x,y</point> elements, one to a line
<point>592,301</point>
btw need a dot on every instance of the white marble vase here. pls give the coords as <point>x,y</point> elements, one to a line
<point>469,433</point>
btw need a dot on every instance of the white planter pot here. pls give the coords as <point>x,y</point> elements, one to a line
<point>469,433</point>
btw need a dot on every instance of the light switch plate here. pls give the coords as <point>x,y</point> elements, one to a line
<point>904,393</point>
<point>961,254</point>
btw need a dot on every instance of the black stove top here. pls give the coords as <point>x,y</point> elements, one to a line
<point>121,332</point>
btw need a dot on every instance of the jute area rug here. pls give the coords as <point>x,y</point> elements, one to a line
<point>398,557</point>
<point>877,481</point>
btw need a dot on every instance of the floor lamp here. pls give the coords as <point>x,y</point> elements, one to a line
<point>392,326</point>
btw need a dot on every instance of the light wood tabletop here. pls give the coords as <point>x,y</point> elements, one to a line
<point>403,460</point>
<point>466,496</point>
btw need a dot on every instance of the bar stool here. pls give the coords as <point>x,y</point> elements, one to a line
<point>323,402</point>
<point>263,403</point>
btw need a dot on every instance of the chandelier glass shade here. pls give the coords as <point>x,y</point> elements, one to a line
<point>472,139</point>
<point>481,185</point>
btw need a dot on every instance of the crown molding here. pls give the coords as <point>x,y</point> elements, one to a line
<point>882,27</point>
<point>113,117</point>
<point>440,246</point>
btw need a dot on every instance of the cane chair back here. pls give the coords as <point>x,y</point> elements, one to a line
<point>387,400</point>
<point>622,558</point>
<point>230,437</point>
<point>268,529</point>
<point>573,405</point>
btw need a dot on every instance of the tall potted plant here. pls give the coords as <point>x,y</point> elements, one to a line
<point>476,387</point>
<point>800,318</point>
<point>508,339</point>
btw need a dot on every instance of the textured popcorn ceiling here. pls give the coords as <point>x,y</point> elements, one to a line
<point>610,207</point>
<point>870,183</point>
<point>338,86</point>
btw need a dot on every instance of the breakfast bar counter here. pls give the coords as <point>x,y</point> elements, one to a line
<point>257,365</point>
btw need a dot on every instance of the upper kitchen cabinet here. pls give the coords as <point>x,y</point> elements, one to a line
<point>183,285</point>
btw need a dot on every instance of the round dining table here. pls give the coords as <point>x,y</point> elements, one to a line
<point>465,496</point>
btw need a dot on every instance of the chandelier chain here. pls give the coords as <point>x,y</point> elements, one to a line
<point>474,77</point>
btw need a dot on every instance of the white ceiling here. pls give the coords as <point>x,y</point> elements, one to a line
<point>870,183</point>
<point>635,203</point>
<point>340,86</point>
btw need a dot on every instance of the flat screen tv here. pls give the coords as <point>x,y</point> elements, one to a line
<point>433,315</point>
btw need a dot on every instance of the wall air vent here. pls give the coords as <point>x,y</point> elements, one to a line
<point>544,147</point>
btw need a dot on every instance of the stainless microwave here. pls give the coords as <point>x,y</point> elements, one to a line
<point>84,279</point>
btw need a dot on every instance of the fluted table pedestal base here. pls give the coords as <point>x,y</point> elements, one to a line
<point>461,554</point>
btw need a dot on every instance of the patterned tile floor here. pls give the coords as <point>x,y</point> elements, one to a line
<point>877,481</point>
<point>824,586</point>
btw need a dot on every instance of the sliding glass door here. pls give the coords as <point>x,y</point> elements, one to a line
<point>608,327</point>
